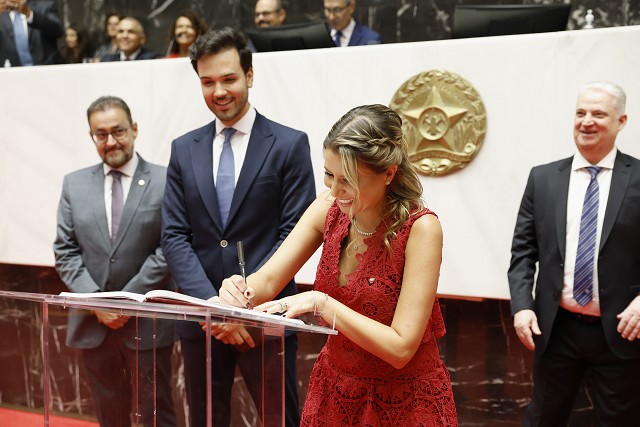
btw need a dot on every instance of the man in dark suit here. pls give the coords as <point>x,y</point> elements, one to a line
<point>40,27</point>
<point>580,222</point>
<point>208,208</point>
<point>130,39</point>
<point>108,239</point>
<point>345,31</point>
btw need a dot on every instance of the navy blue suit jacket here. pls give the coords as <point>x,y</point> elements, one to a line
<point>274,187</point>
<point>540,238</point>
<point>144,54</point>
<point>43,35</point>
<point>363,36</point>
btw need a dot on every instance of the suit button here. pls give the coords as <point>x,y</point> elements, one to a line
<point>224,243</point>
<point>114,259</point>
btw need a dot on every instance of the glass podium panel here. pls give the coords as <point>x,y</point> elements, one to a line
<point>147,337</point>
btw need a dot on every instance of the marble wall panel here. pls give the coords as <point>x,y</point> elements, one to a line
<point>395,20</point>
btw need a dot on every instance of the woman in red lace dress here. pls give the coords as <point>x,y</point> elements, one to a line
<point>378,274</point>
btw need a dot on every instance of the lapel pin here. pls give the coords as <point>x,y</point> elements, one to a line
<point>141,182</point>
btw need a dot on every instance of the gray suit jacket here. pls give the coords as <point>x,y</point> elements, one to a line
<point>87,260</point>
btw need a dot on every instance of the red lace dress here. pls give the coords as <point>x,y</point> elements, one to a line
<point>351,387</point>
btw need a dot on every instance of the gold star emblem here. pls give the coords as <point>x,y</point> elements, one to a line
<point>444,121</point>
<point>434,118</point>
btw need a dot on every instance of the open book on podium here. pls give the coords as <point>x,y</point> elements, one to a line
<point>156,295</point>
<point>160,296</point>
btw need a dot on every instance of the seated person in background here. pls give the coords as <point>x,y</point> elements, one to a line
<point>131,39</point>
<point>29,32</point>
<point>186,29</point>
<point>111,28</point>
<point>345,31</point>
<point>269,13</point>
<point>77,45</point>
<point>378,273</point>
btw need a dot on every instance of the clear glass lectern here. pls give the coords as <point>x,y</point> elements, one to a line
<point>263,327</point>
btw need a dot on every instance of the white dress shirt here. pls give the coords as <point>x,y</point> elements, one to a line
<point>345,38</point>
<point>127,170</point>
<point>239,142</point>
<point>26,20</point>
<point>131,57</point>
<point>578,183</point>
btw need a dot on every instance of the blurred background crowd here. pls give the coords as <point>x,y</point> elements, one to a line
<point>75,31</point>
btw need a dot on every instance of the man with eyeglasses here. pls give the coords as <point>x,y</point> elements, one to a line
<point>269,13</point>
<point>345,31</point>
<point>130,38</point>
<point>108,239</point>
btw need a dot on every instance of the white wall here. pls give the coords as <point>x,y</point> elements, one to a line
<point>528,84</point>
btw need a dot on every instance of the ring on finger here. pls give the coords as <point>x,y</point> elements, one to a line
<point>283,306</point>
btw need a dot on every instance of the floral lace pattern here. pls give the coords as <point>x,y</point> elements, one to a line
<point>351,387</point>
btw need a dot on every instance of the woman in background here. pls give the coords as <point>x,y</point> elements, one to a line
<point>377,277</point>
<point>186,29</point>
<point>77,45</point>
<point>111,29</point>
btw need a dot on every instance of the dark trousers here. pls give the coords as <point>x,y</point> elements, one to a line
<point>576,349</point>
<point>111,369</point>
<point>225,358</point>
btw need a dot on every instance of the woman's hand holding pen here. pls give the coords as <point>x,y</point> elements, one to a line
<point>235,291</point>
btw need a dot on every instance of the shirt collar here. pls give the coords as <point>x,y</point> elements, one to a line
<point>244,125</point>
<point>131,57</point>
<point>14,14</point>
<point>128,169</point>
<point>579,162</point>
<point>346,31</point>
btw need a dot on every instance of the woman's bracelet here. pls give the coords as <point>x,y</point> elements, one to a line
<point>318,311</point>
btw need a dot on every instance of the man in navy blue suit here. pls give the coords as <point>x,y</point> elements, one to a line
<point>345,31</point>
<point>272,184</point>
<point>130,38</point>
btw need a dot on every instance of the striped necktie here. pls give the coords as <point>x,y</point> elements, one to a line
<point>583,272</point>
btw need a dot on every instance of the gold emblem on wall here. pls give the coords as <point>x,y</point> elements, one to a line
<point>444,121</point>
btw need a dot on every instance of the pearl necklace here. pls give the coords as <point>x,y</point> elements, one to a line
<point>364,233</point>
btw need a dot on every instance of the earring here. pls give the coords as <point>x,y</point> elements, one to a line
<point>388,182</point>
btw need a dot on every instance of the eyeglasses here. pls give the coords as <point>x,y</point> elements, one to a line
<point>101,137</point>
<point>334,10</point>
<point>266,13</point>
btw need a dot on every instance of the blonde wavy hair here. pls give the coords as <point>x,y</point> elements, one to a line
<point>371,135</point>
